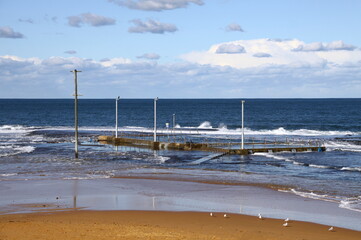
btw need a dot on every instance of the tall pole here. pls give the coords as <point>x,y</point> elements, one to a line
<point>155,119</point>
<point>76,110</point>
<point>116,116</point>
<point>173,121</point>
<point>242,145</point>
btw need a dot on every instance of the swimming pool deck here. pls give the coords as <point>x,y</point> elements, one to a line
<point>226,148</point>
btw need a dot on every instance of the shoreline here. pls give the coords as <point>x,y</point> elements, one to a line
<point>160,225</point>
<point>139,194</point>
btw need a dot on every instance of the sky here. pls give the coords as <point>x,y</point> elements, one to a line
<point>180,48</point>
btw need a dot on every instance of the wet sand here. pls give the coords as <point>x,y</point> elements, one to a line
<point>121,208</point>
<point>159,225</point>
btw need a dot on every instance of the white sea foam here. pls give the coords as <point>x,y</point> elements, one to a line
<point>318,166</point>
<point>7,129</point>
<point>353,169</point>
<point>88,177</point>
<point>353,203</point>
<point>342,146</point>
<point>298,163</point>
<point>221,130</point>
<point>290,160</point>
<point>277,157</point>
<point>205,124</point>
<point>162,159</point>
<point>8,174</point>
<point>313,195</point>
<point>14,150</point>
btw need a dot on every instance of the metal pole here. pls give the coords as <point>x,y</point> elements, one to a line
<point>76,110</point>
<point>155,119</point>
<point>167,126</point>
<point>242,145</point>
<point>116,116</point>
<point>173,121</point>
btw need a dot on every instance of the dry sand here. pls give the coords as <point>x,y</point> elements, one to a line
<point>159,225</point>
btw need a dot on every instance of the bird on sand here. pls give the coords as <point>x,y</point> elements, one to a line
<point>285,224</point>
<point>225,215</point>
<point>287,219</point>
<point>330,229</point>
<point>211,214</point>
<point>260,216</point>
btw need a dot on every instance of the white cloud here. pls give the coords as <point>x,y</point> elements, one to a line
<point>230,49</point>
<point>319,46</point>
<point>90,19</point>
<point>206,74</point>
<point>155,5</point>
<point>151,56</point>
<point>8,32</point>
<point>282,52</point>
<point>234,27</point>
<point>151,26</point>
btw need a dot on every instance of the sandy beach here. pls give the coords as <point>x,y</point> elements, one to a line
<point>159,225</point>
<point>121,208</point>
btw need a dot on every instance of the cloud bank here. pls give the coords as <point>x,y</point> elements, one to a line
<point>90,19</point>
<point>263,53</point>
<point>8,32</point>
<point>284,74</point>
<point>151,26</point>
<point>318,46</point>
<point>155,5</point>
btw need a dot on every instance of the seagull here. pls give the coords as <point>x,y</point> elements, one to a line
<point>330,229</point>
<point>285,224</point>
<point>260,216</point>
<point>287,219</point>
<point>225,215</point>
<point>211,214</point>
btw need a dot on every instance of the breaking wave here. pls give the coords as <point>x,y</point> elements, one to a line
<point>14,150</point>
<point>281,158</point>
<point>353,203</point>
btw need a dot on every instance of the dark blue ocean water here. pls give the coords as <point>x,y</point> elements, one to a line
<point>269,114</point>
<point>36,142</point>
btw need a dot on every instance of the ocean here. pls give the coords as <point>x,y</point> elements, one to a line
<point>37,142</point>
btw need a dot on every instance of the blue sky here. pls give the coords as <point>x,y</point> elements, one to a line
<point>180,48</point>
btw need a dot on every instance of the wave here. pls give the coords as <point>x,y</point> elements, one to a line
<point>313,195</point>
<point>353,169</point>
<point>277,157</point>
<point>205,124</point>
<point>298,132</point>
<point>14,150</point>
<point>320,166</point>
<point>6,129</point>
<point>162,159</point>
<point>281,158</point>
<point>88,177</point>
<point>8,174</point>
<point>222,129</point>
<point>353,203</point>
<point>342,146</point>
